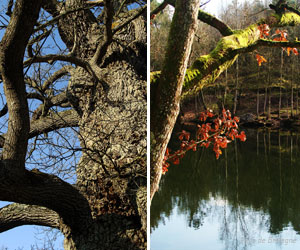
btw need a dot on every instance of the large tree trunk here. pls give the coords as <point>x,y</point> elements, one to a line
<point>165,97</point>
<point>111,173</point>
<point>107,206</point>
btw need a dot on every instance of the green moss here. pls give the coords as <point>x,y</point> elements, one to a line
<point>207,68</point>
<point>287,19</point>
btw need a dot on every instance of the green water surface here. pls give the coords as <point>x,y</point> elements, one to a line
<point>248,199</point>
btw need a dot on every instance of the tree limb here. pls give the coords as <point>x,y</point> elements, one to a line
<point>56,75</point>
<point>160,8</point>
<point>48,103</point>
<point>46,190</point>
<point>54,57</point>
<point>16,214</point>
<point>64,119</point>
<point>108,18</point>
<point>12,49</point>
<point>223,28</point>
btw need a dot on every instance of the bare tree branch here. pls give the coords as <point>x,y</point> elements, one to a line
<point>223,28</point>
<point>41,189</point>
<point>16,214</point>
<point>36,39</point>
<point>9,8</point>
<point>160,8</point>
<point>64,119</point>
<point>108,18</point>
<point>129,20</point>
<point>12,49</point>
<point>55,76</point>
<point>54,57</point>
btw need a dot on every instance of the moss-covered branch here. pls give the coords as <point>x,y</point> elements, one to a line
<point>223,28</point>
<point>207,68</point>
<point>211,20</point>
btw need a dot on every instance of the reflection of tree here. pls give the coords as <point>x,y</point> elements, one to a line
<point>254,195</point>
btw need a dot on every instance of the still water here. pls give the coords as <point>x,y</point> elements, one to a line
<point>248,199</point>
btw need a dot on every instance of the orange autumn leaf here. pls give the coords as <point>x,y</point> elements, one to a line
<point>260,59</point>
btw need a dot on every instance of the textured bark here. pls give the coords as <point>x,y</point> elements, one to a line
<point>165,97</point>
<point>107,207</point>
<point>15,215</point>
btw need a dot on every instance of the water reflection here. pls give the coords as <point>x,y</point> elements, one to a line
<point>251,194</point>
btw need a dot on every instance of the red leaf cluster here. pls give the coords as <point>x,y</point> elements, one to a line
<point>280,36</point>
<point>218,130</point>
<point>264,30</point>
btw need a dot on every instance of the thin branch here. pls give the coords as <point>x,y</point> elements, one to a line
<point>203,4</point>
<point>45,34</point>
<point>102,47</point>
<point>51,58</point>
<point>58,17</point>
<point>160,8</point>
<point>121,26</point>
<point>56,75</point>
<point>15,215</point>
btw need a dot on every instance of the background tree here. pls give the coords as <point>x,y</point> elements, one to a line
<point>90,83</point>
<point>204,70</point>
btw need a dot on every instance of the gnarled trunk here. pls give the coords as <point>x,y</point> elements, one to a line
<point>111,173</point>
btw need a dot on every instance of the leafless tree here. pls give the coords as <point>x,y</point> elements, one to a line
<point>73,120</point>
